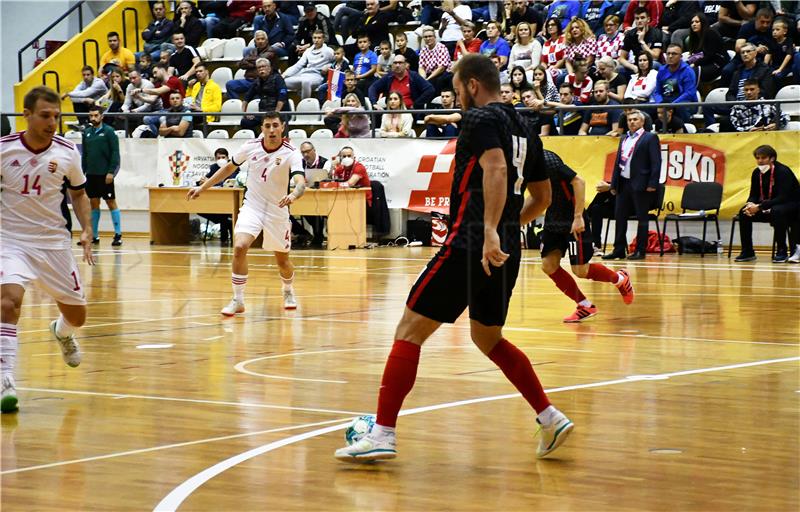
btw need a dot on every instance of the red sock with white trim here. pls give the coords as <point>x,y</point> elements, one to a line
<point>398,380</point>
<point>518,369</point>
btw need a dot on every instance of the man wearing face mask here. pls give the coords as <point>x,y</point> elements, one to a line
<point>351,173</point>
<point>774,197</point>
<point>221,158</point>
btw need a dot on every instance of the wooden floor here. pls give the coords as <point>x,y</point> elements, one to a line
<point>685,400</point>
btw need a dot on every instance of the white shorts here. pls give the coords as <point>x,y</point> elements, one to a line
<point>277,228</point>
<point>54,269</point>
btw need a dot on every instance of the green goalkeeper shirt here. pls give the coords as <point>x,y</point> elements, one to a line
<point>100,151</point>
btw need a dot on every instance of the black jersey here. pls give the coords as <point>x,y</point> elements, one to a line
<point>561,212</point>
<point>496,125</point>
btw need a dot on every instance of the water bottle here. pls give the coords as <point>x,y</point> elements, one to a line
<point>719,247</point>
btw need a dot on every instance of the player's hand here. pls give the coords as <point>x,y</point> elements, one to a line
<point>193,193</point>
<point>492,254</point>
<point>109,179</point>
<point>86,245</point>
<point>286,201</point>
<point>578,226</point>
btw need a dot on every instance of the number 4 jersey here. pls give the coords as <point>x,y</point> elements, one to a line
<point>268,174</point>
<point>495,125</point>
<point>31,191</point>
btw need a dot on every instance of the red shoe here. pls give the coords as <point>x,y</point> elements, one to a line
<point>581,313</point>
<point>625,287</point>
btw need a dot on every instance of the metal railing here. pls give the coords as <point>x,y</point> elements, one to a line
<point>78,6</point>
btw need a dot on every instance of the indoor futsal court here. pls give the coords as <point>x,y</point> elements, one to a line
<point>685,400</point>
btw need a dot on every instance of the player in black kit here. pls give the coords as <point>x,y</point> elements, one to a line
<point>566,232</point>
<point>497,159</point>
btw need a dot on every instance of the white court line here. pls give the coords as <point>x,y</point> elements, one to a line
<point>189,400</point>
<point>177,496</point>
<point>165,447</point>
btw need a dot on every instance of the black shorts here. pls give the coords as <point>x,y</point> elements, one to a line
<point>96,187</point>
<point>454,280</point>
<point>580,250</point>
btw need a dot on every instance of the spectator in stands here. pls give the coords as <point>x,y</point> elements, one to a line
<point>385,58</point>
<point>347,17</point>
<point>783,52</point>
<point>138,102</point>
<point>304,36</point>
<point>521,12</point>
<point>114,98</point>
<point>710,9</point>
<point>280,32</point>
<point>221,159</point>
<point>355,122</point>
<point>187,20</point>
<point>563,11</point>
<point>774,198</point>
<point>543,87</point>
<point>642,84</point>
<point>594,12</point>
<point>674,124</point>
<point>396,124</point>
<point>373,23</point>
<point>579,40</point>
<point>568,121</point>
<point>453,18</point>
<point>213,12</point>
<point>117,55</point>
<point>365,63</point>
<point>176,121</point>
<point>758,32</point>
<point>505,78</point>
<point>707,54</point>
<point>165,83</point>
<point>401,48</point>
<point>541,124</point>
<point>467,44</point>
<point>580,81</point>
<point>732,15</point>
<point>519,82</point>
<point>676,18</point>
<point>610,42</point>
<point>240,13</point>
<point>749,68</point>
<point>289,10</point>
<point>444,125</point>
<point>617,83</point>
<point>755,117</point>
<point>654,10</point>
<point>676,83</point>
<point>434,61</point>
<point>600,122</point>
<point>494,44</point>
<point>507,94</point>
<point>145,66</point>
<point>90,89</point>
<point>527,51</point>
<point>306,74</point>
<point>205,95</point>
<point>351,173</point>
<point>642,38</point>
<point>159,31</point>
<point>269,89</point>
<point>553,48</point>
<point>260,50</point>
<point>623,119</point>
<point>332,122</point>
<point>415,90</point>
<point>348,83</point>
<point>185,59</point>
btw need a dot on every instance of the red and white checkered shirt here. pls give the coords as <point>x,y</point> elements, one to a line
<point>586,48</point>
<point>609,46</point>
<point>553,51</point>
<point>429,59</point>
<point>583,90</point>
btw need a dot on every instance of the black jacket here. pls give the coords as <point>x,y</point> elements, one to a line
<point>761,73</point>
<point>785,189</point>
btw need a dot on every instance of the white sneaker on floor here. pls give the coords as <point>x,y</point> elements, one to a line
<point>369,449</point>
<point>554,434</point>
<point>233,307</point>
<point>289,302</point>
<point>8,402</point>
<point>795,258</point>
<point>70,350</point>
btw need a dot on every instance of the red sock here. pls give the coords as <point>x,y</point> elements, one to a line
<point>566,283</point>
<point>517,368</point>
<point>600,272</point>
<point>398,379</point>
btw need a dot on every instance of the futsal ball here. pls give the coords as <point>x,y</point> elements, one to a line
<point>360,427</point>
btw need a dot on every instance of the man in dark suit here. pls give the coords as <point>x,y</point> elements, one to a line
<point>637,169</point>
<point>311,160</point>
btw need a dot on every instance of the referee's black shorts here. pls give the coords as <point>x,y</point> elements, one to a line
<point>96,187</point>
<point>454,280</point>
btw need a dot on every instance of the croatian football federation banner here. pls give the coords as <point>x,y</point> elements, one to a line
<point>417,173</point>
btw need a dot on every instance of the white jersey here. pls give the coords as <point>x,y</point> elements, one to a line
<point>30,196</point>
<point>268,174</point>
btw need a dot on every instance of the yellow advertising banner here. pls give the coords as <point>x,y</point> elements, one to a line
<point>725,158</point>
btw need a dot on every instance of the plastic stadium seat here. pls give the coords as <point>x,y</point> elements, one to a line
<point>218,134</point>
<point>234,49</point>
<point>244,134</point>
<point>413,40</point>
<point>716,95</point>
<point>790,92</point>
<point>308,105</point>
<point>197,134</point>
<point>214,48</point>
<point>233,106</point>
<point>690,128</point>
<point>252,106</point>
<point>297,134</point>
<point>221,77</point>
<point>793,125</point>
<point>322,133</point>
<point>73,135</point>
<point>324,10</point>
<point>121,134</point>
<point>239,75</point>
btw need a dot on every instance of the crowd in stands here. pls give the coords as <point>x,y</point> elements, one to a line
<point>399,55</point>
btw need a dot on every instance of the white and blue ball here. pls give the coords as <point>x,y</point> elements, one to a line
<point>360,427</point>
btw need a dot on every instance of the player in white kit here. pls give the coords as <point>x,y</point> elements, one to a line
<point>272,164</point>
<point>34,243</point>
